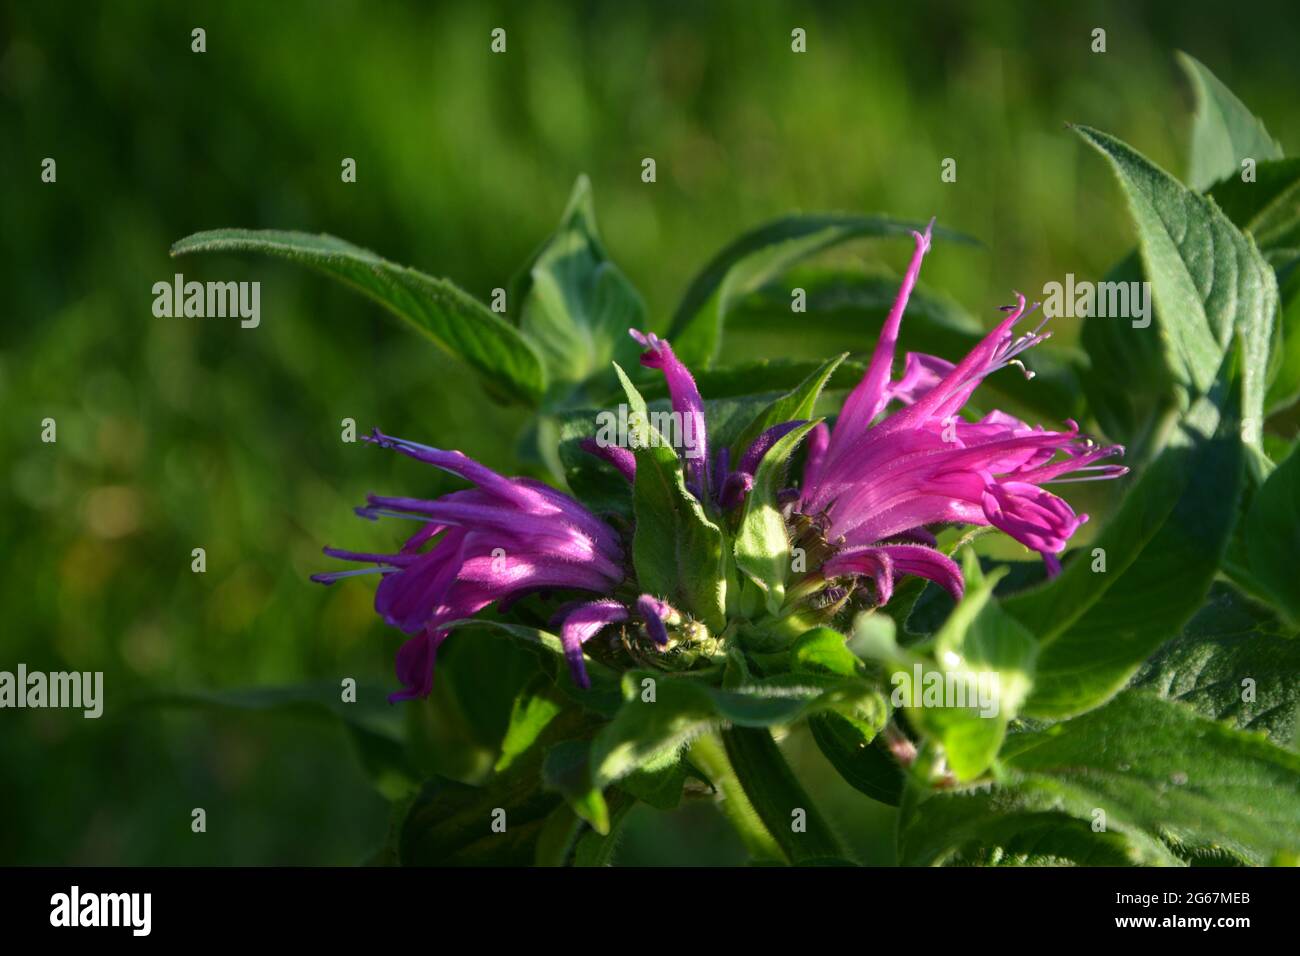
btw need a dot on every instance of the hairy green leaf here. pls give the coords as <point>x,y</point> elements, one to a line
<point>786,809</point>
<point>855,751</point>
<point>1268,207</point>
<point>1272,535</point>
<point>1209,282</point>
<point>535,707</point>
<point>454,824</point>
<point>1146,779</point>
<point>578,306</point>
<point>1032,820</point>
<point>990,651</point>
<point>462,326</point>
<point>1234,662</point>
<point>1224,131</point>
<point>1159,766</point>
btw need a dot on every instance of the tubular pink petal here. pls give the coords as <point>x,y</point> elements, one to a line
<point>872,562</point>
<point>655,613</point>
<point>927,563</point>
<point>921,374</point>
<point>414,664</point>
<point>459,464</point>
<point>759,446</point>
<point>393,559</point>
<point>686,402</point>
<point>868,398</point>
<point>1036,518</point>
<point>734,489</point>
<point>621,458</point>
<point>818,440</point>
<point>582,624</point>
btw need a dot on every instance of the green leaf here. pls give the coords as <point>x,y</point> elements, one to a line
<point>1127,381</point>
<point>598,849</point>
<point>452,824</point>
<point>578,306</point>
<point>1234,662</point>
<point>1159,778</point>
<point>1158,766</point>
<point>989,650</point>
<point>857,754</point>
<point>1269,207</point>
<point>762,544</point>
<point>786,809</point>
<point>536,706</point>
<point>659,718</point>
<point>661,786</point>
<point>1224,131</point>
<point>1272,535</point>
<point>567,772</point>
<point>459,324</point>
<point>758,257</point>
<point>1161,551</point>
<point>848,739</point>
<point>676,549</point>
<point>1032,821</point>
<point>1209,282</point>
<point>603,697</point>
<point>823,650</point>
<point>972,679</point>
<point>512,817</point>
<point>1284,390</point>
<point>480,676</point>
<point>795,405</point>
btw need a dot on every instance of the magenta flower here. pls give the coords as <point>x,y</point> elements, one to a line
<point>496,542</point>
<point>875,483</point>
<point>878,480</point>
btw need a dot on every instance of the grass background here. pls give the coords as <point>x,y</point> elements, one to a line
<point>175,434</point>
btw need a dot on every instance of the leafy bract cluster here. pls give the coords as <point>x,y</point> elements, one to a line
<point>1146,698</point>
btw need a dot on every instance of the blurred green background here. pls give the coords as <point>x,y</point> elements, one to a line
<point>175,434</point>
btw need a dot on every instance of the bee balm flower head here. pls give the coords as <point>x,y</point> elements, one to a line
<point>495,542</point>
<point>878,480</point>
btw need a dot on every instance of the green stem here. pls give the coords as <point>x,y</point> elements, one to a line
<point>777,795</point>
<point>708,755</point>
